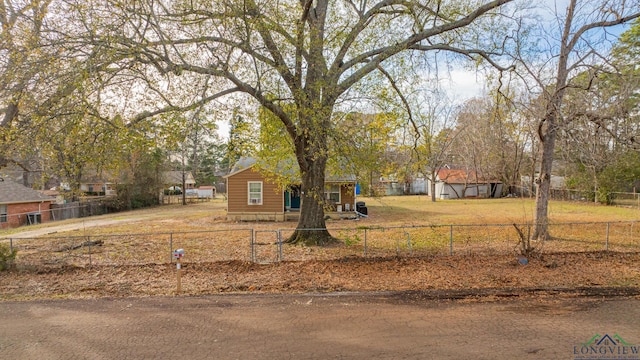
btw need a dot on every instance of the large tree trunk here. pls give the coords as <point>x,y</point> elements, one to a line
<point>312,154</point>
<point>432,188</point>
<point>548,129</point>
<point>543,182</point>
<point>10,114</point>
<point>311,229</point>
<point>184,185</point>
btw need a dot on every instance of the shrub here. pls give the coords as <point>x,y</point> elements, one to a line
<point>7,256</point>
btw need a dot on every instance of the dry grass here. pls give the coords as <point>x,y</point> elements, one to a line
<point>397,226</point>
<point>419,210</point>
<point>383,212</point>
<point>403,236</point>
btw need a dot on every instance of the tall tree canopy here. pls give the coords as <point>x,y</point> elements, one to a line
<point>307,54</point>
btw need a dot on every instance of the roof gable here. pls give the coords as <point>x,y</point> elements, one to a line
<point>13,193</point>
<point>287,171</point>
<point>175,177</point>
<point>242,165</point>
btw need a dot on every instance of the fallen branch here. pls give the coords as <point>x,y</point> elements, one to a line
<point>86,243</point>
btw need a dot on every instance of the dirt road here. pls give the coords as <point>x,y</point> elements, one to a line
<point>328,326</point>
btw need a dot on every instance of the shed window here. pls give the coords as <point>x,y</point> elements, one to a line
<point>332,193</point>
<point>255,192</point>
<point>3,213</point>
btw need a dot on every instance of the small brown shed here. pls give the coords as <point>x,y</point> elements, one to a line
<point>251,196</point>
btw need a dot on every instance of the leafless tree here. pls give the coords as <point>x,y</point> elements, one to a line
<point>578,43</point>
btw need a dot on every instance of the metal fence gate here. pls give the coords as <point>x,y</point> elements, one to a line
<point>266,246</point>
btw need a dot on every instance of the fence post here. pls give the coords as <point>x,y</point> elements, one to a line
<point>279,233</point>
<point>365,242</point>
<point>253,246</point>
<point>606,244</point>
<point>450,240</point>
<point>89,246</point>
<point>170,248</point>
<point>11,245</point>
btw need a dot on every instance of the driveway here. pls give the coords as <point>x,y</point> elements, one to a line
<point>76,225</point>
<point>328,326</point>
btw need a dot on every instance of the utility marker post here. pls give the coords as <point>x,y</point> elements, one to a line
<point>178,254</point>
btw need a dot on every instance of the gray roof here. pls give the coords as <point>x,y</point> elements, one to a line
<point>13,193</point>
<point>241,165</point>
<point>347,178</point>
<point>175,177</point>
<point>286,169</point>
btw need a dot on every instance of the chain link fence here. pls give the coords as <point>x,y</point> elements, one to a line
<point>267,246</point>
<point>59,212</point>
<point>469,240</point>
<point>132,249</point>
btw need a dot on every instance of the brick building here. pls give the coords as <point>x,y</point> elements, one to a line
<point>21,205</point>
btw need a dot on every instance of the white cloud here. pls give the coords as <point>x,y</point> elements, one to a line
<point>464,84</point>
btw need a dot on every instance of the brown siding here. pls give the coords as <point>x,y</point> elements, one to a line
<point>347,195</point>
<point>237,194</point>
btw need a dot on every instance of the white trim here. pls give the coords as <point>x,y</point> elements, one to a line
<point>254,201</point>
<point>328,187</point>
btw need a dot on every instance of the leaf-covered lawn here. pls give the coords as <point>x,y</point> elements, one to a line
<point>133,257</point>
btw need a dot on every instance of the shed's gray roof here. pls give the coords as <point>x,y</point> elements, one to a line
<point>13,193</point>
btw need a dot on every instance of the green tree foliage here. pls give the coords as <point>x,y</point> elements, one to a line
<point>365,145</point>
<point>622,174</point>
<point>242,139</point>
<point>142,179</point>
<point>602,134</point>
<point>190,138</point>
<point>7,257</point>
<point>213,162</point>
<point>47,71</point>
<point>625,58</point>
<point>78,146</point>
<point>274,152</point>
<point>50,93</point>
